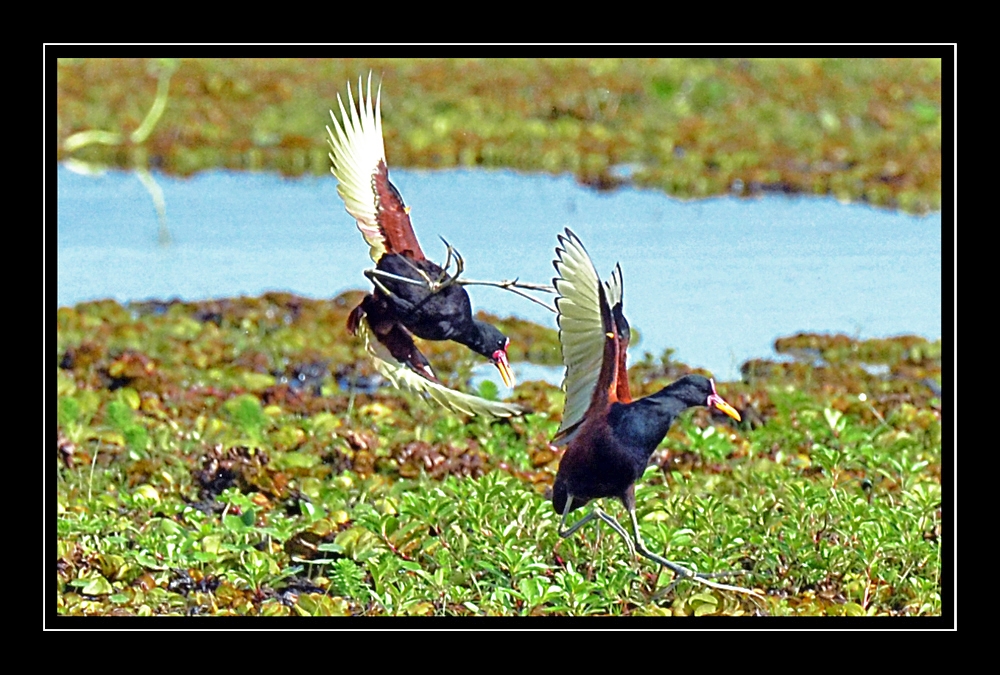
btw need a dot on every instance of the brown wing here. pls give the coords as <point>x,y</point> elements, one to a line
<point>358,156</point>
<point>615,288</point>
<point>606,390</point>
<point>378,314</point>
<point>622,392</point>
<point>393,216</point>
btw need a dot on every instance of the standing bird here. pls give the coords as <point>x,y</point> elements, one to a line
<point>610,436</point>
<point>412,296</point>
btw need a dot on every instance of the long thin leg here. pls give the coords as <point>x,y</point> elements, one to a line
<point>563,532</point>
<point>681,571</point>
<point>433,285</point>
<point>374,275</point>
<point>617,528</point>
<point>430,284</point>
<point>595,512</point>
<point>393,277</point>
<point>512,285</point>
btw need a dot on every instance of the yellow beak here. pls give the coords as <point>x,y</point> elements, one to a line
<point>506,372</point>
<point>728,409</point>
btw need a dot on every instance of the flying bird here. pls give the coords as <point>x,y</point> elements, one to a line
<point>412,295</point>
<point>610,437</point>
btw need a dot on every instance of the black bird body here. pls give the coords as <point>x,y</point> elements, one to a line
<point>610,437</point>
<point>610,452</point>
<point>443,315</point>
<point>433,306</point>
<point>604,466</point>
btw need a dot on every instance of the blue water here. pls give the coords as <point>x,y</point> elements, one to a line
<point>717,280</point>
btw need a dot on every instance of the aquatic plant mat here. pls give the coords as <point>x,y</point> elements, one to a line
<point>859,129</point>
<point>239,457</point>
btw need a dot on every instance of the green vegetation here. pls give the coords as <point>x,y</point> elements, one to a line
<point>213,459</point>
<point>209,463</point>
<point>860,129</point>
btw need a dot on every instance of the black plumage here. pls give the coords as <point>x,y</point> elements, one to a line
<point>610,437</point>
<point>412,296</point>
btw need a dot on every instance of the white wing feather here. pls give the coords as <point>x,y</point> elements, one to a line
<point>581,331</point>
<point>613,287</point>
<point>404,378</point>
<point>356,142</point>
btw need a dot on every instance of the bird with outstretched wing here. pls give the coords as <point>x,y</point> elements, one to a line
<point>412,295</point>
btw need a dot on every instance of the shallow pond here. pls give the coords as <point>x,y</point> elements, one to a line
<point>718,280</point>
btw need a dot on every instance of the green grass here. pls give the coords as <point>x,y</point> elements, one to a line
<point>193,479</point>
<point>196,477</point>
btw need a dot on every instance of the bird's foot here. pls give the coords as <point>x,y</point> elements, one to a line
<point>446,279</point>
<point>682,573</point>
<point>427,282</point>
<point>616,526</point>
<point>703,578</point>
<point>515,286</point>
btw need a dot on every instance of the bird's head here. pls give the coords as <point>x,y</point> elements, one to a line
<point>698,390</point>
<point>499,359</point>
<point>493,345</point>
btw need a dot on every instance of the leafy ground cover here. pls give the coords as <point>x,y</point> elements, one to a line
<point>237,457</point>
<point>859,129</point>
